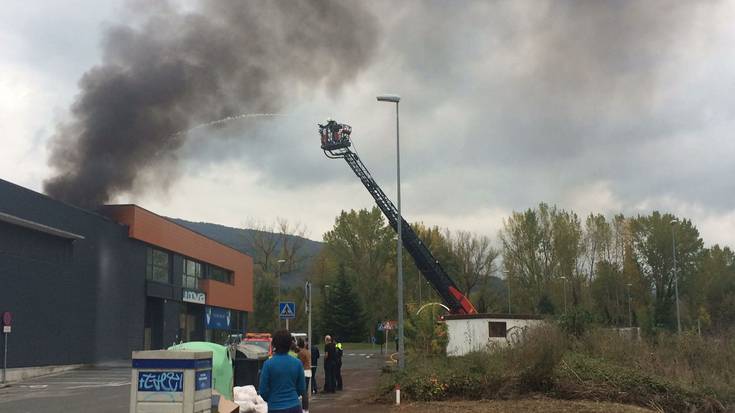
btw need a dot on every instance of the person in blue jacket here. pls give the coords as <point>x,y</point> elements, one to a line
<point>282,377</point>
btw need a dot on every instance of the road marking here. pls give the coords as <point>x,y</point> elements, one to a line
<point>100,385</point>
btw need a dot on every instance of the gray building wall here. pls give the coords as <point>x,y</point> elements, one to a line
<point>73,302</point>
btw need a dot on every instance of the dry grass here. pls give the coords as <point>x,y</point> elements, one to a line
<point>672,373</point>
<point>536,405</point>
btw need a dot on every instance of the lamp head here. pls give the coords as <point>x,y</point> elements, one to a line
<point>389,98</point>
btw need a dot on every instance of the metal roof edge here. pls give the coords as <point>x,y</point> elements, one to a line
<point>35,226</point>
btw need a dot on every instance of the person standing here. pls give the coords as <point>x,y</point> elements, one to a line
<point>338,365</point>
<point>282,377</point>
<point>314,365</point>
<point>330,362</point>
<point>305,357</point>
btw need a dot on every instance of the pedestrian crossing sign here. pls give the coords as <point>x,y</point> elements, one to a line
<point>287,310</point>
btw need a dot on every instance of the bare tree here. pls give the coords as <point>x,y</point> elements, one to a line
<point>280,241</point>
<point>476,258</point>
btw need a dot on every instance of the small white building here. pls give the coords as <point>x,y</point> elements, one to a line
<point>476,332</point>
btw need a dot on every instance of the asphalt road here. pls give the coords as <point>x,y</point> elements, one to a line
<point>106,389</point>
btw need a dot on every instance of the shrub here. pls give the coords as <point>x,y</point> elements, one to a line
<point>576,322</point>
<point>582,376</point>
<point>674,373</point>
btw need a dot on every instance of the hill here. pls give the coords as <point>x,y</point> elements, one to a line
<point>239,239</point>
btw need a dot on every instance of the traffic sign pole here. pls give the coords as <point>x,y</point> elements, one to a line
<point>287,311</point>
<point>7,321</point>
<point>5,357</point>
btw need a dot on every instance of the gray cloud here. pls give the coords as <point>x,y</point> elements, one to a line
<point>175,68</point>
<point>505,104</point>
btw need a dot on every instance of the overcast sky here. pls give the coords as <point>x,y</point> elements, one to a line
<point>594,106</point>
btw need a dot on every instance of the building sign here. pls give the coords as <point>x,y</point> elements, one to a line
<point>161,381</point>
<point>194,297</point>
<point>204,380</point>
<point>217,318</point>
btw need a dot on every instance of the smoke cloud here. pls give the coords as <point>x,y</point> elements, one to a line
<point>175,69</point>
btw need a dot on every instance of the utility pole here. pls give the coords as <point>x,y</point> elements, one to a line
<point>564,287</point>
<point>507,281</point>
<point>630,313</point>
<point>676,277</point>
<point>280,263</point>
<point>401,359</point>
<point>308,310</point>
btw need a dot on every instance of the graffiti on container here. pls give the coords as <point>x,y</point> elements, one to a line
<point>161,381</point>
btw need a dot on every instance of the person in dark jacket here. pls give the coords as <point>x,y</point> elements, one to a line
<point>314,360</point>
<point>338,366</point>
<point>330,363</point>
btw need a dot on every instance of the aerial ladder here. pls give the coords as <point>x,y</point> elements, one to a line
<point>335,142</point>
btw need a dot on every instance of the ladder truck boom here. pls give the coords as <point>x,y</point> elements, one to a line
<point>335,139</point>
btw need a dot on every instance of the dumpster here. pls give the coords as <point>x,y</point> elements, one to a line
<point>248,362</point>
<point>221,364</point>
<point>171,381</point>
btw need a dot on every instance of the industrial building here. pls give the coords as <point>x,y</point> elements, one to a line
<point>92,286</point>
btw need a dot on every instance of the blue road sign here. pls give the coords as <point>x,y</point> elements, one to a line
<point>287,310</point>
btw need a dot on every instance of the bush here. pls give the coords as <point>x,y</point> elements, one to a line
<point>582,376</point>
<point>536,357</point>
<point>576,322</point>
<point>676,373</point>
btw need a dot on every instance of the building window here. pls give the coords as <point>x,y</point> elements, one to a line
<point>220,274</point>
<point>497,329</point>
<point>157,266</point>
<point>192,274</point>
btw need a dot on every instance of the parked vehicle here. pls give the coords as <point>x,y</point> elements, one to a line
<point>262,340</point>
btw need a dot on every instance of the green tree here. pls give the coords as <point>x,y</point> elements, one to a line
<point>716,307</point>
<point>344,315</point>
<point>266,313</point>
<point>540,246</point>
<point>652,246</point>
<point>363,243</point>
<point>610,294</point>
<point>424,335</point>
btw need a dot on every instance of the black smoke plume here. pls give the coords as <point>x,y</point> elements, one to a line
<point>174,69</point>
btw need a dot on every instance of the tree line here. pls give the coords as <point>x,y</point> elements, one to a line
<point>617,270</point>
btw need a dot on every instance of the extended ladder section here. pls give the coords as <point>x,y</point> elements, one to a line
<point>425,261</point>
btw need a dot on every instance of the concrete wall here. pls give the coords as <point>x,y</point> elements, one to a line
<point>74,302</point>
<point>473,334</point>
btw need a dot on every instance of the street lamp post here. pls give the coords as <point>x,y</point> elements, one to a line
<point>280,263</point>
<point>507,281</point>
<point>676,277</point>
<point>630,313</point>
<point>564,287</point>
<point>308,311</point>
<point>401,360</point>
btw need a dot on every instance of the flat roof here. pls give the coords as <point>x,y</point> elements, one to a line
<point>494,316</point>
<point>35,226</point>
<point>171,221</point>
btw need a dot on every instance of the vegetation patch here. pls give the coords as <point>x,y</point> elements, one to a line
<point>676,374</point>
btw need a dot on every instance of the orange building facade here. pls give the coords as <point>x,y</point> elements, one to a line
<point>197,289</point>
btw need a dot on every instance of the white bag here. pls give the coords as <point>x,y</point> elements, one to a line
<point>246,406</point>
